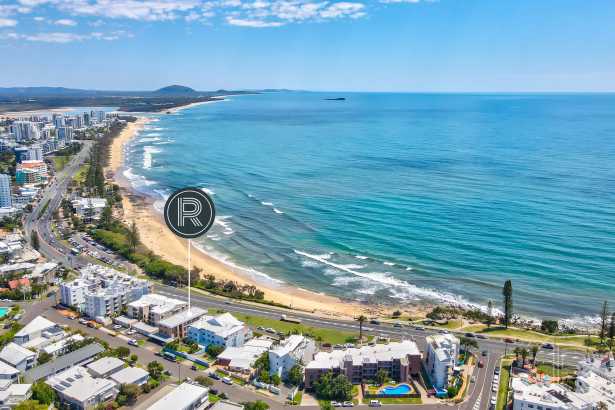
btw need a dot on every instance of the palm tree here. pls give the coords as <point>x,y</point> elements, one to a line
<point>133,237</point>
<point>534,349</point>
<point>517,352</point>
<point>524,352</point>
<point>361,319</point>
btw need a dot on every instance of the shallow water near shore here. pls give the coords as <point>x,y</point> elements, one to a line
<point>403,197</point>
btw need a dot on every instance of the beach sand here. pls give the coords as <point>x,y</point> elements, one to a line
<point>156,236</point>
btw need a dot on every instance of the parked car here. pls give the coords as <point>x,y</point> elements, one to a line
<point>470,334</point>
<point>347,404</point>
<point>482,336</point>
<point>374,403</point>
<point>374,322</point>
<point>484,353</point>
<point>397,324</point>
<point>336,404</point>
<point>509,340</point>
<point>214,375</point>
<point>133,342</point>
<point>193,367</point>
<point>117,327</point>
<point>227,380</point>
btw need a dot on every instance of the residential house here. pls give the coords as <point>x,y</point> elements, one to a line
<point>222,330</point>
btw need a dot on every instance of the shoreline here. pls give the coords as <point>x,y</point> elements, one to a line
<point>157,238</point>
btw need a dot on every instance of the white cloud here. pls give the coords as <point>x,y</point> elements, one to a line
<point>66,22</point>
<point>63,37</point>
<point>343,9</point>
<point>145,10</point>
<point>7,22</point>
<point>39,18</point>
<point>399,1</point>
<point>252,23</point>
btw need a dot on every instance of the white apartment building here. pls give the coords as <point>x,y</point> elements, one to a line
<point>17,356</point>
<point>6,198</point>
<point>152,308</point>
<point>89,209</point>
<point>101,292</point>
<point>222,330</point>
<point>186,396</point>
<point>440,358</point>
<point>291,351</point>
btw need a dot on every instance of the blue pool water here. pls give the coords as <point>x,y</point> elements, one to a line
<point>403,198</point>
<point>395,390</point>
<point>4,311</point>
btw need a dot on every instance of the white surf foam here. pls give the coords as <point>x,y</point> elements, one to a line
<point>267,203</point>
<point>277,211</point>
<point>361,257</point>
<point>148,152</point>
<point>136,180</point>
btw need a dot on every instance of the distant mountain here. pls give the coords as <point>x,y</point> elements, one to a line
<point>48,91</point>
<point>175,90</point>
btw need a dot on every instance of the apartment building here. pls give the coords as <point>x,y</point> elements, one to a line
<point>222,330</point>
<point>440,358</point>
<point>152,308</point>
<point>293,350</point>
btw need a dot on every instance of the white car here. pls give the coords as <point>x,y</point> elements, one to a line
<point>117,327</point>
<point>227,380</point>
<point>133,342</point>
<point>336,404</point>
<point>347,404</point>
<point>374,403</point>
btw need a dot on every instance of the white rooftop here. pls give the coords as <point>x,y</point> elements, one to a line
<point>105,365</point>
<point>222,325</point>
<point>369,354</point>
<point>7,369</point>
<point>159,304</point>
<point>546,394</point>
<point>288,345</point>
<point>182,397</point>
<point>38,324</point>
<point>182,317</point>
<point>15,354</point>
<point>77,383</point>
<point>129,375</point>
<point>244,357</point>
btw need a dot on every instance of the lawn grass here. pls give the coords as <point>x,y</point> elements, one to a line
<point>528,335</point>
<point>60,162</point>
<point>401,400</point>
<point>325,335</point>
<point>503,387</point>
<point>298,397</point>
<point>213,398</point>
<point>547,369</point>
<point>451,324</point>
<point>81,174</point>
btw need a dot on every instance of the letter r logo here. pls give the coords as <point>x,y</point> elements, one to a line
<point>189,212</point>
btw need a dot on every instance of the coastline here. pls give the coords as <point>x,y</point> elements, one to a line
<point>156,237</point>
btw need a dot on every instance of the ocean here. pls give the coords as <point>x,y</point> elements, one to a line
<point>403,198</point>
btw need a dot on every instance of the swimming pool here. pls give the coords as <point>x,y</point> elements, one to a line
<point>396,390</point>
<point>4,311</point>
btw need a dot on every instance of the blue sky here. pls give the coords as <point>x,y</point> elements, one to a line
<point>370,45</point>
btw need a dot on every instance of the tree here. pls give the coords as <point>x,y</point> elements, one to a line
<point>524,353</point>
<point>133,237</point>
<point>204,381</point>
<point>34,241</point>
<point>122,352</point>
<point>263,376</point>
<point>130,391</point>
<point>155,370</point>
<point>549,326</point>
<point>508,302</point>
<point>106,217</point>
<point>275,380</point>
<point>133,358</point>
<point>467,343</point>
<point>255,405</point>
<point>44,357</point>
<point>604,316</point>
<point>361,319</point>
<point>534,349</point>
<point>612,331</point>
<point>43,393</point>
<point>295,375</point>
<point>382,376</point>
<point>489,313</point>
<point>214,350</point>
<point>328,387</point>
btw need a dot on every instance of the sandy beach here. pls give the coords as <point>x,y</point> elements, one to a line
<point>157,237</point>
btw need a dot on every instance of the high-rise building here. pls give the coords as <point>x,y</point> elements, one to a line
<point>25,130</point>
<point>58,120</point>
<point>5,191</point>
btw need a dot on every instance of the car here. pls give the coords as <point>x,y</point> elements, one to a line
<point>131,332</point>
<point>470,334</point>
<point>473,379</point>
<point>494,400</point>
<point>421,328</point>
<point>509,340</point>
<point>227,380</point>
<point>214,375</point>
<point>347,404</point>
<point>214,391</point>
<point>548,346</point>
<point>496,370</point>
<point>193,367</point>
<point>494,387</point>
<point>117,327</point>
<point>443,331</point>
<point>397,324</point>
<point>481,363</point>
<point>374,403</point>
<point>270,330</point>
<point>374,322</point>
<point>336,404</point>
<point>482,336</point>
<point>484,353</point>
<point>133,342</point>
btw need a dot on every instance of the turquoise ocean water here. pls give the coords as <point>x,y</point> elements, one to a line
<point>403,197</point>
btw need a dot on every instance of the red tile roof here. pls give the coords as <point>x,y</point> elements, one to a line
<point>15,283</point>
